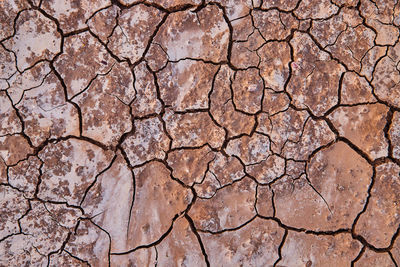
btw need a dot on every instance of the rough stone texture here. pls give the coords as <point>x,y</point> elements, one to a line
<point>135,26</point>
<point>105,105</point>
<point>13,206</point>
<point>180,247</point>
<point>69,169</point>
<point>355,90</point>
<point>109,202</point>
<point>190,165</point>
<point>9,116</point>
<point>36,38</point>
<point>89,243</point>
<point>158,200</point>
<point>202,35</point>
<point>333,195</point>
<point>222,108</point>
<point>248,90</point>
<point>386,77</point>
<point>25,176</point>
<point>45,112</point>
<point>146,101</point>
<point>255,244</point>
<point>250,149</point>
<point>72,15</point>
<point>365,129</point>
<point>370,258</point>
<point>14,148</point>
<point>48,225</point>
<point>186,84</point>
<point>148,136</point>
<point>274,69</point>
<point>229,208</point>
<point>199,133</point>
<point>394,134</point>
<point>32,78</point>
<point>315,78</point>
<point>193,129</point>
<point>380,220</point>
<point>301,249</point>
<point>7,67</point>
<point>82,60</point>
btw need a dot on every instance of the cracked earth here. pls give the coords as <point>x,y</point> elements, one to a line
<point>200,133</point>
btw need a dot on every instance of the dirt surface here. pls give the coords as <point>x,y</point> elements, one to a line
<point>200,133</point>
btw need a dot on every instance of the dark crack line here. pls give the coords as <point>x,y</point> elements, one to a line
<point>280,248</point>
<point>194,230</point>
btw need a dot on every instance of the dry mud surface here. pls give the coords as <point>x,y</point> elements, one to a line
<point>200,133</point>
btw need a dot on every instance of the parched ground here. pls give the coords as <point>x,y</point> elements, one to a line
<point>200,133</point>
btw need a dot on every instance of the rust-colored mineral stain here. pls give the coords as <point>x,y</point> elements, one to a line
<point>200,133</point>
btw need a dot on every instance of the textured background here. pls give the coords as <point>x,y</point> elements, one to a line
<point>199,133</point>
